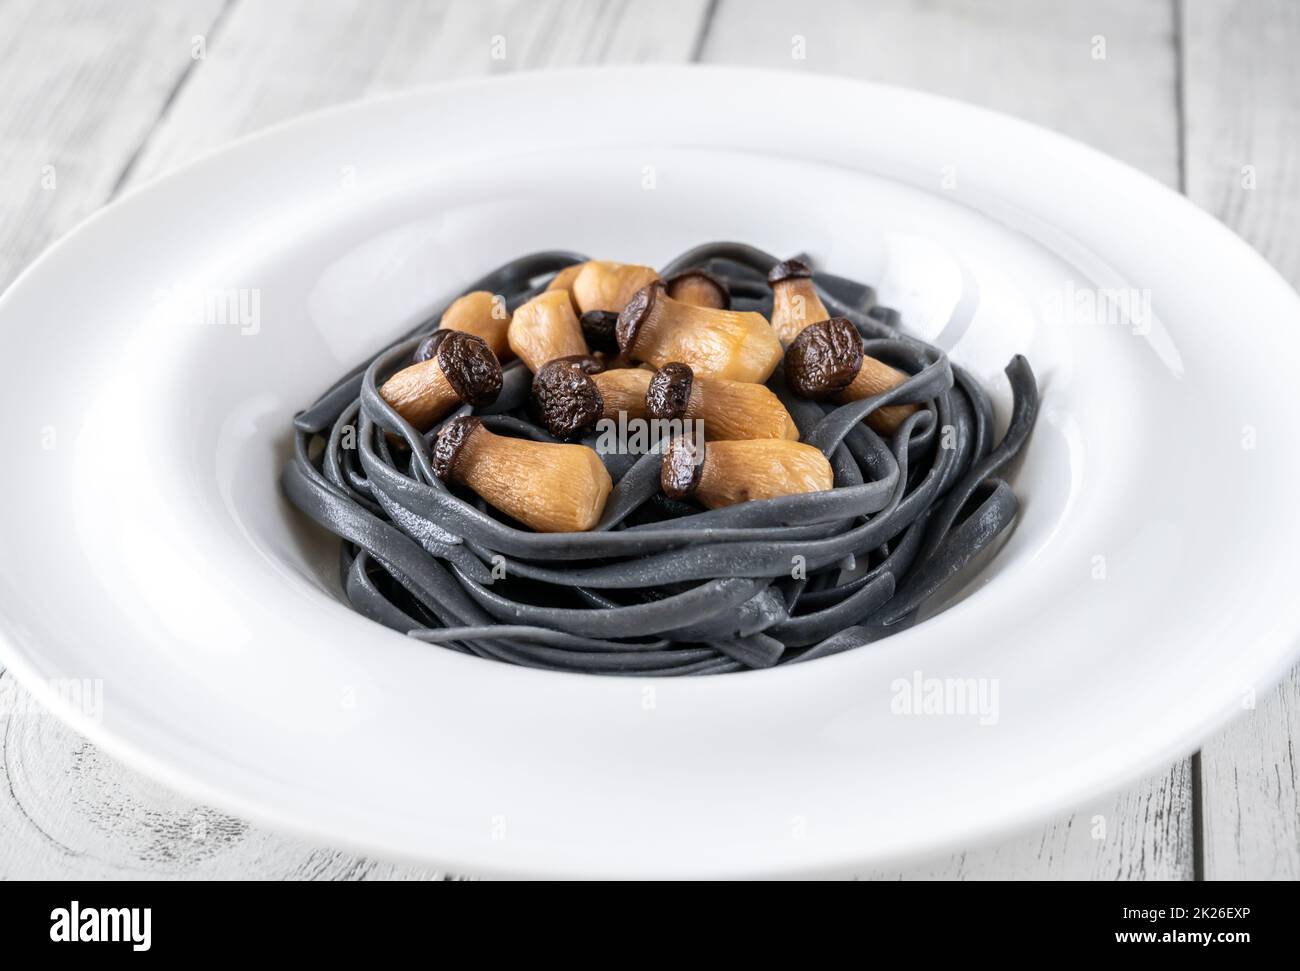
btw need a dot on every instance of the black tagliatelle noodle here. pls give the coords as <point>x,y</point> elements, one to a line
<point>662,587</point>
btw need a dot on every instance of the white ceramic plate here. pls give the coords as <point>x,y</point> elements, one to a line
<point>1149,584</point>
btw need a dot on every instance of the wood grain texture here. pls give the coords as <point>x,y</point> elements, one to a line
<point>68,811</point>
<point>1032,59</point>
<point>1241,104</point>
<point>81,86</point>
<point>309,54</point>
<point>1145,833</point>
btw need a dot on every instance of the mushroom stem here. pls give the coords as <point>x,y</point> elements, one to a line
<point>739,346</point>
<point>482,314</point>
<point>551,488</point>
<point>605,285</point>
<point>564,281</point>
<point>795,303</point>
<point>826,361</point>
<point>700,289</point>
<point>873,378</point>
<point>731,472</point>
<point>729,409</point>
<point>623,390</point>
<point>546,328</point>
<point>420,393</point>
<point>461,369</point>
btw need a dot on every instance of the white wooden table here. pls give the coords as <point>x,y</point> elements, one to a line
<point>98,96</point>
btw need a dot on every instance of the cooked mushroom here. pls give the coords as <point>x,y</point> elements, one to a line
<point>546,328</point>
<point>725,473</point>
<point>600,329</point>
<point>570,400</point>
<point>826,361</point>
<point>480,313</point>
<point>605,285</point>
<point>729,409</point>
<point>549,487</point>
<point>739,346</point>
<point>795,303</point>
<point>700,289</point>
<point>564,281</point>
<point>460,368</point>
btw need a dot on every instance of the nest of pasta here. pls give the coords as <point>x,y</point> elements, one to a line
<point>662,578</point>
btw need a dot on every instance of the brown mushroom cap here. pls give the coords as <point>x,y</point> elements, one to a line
<point>470,367</point>
<point>425,350</point>
<point>635,313</point>
<point>724,292</point>
<point>565,397</point>
<point>600,327</point>
<point>788,270</point>
<point>669,391</point>
<point>682,466</point>
<point>824,359</point>
<point>448,444</point>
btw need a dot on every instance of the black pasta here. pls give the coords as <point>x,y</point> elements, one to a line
<point>660,587</point>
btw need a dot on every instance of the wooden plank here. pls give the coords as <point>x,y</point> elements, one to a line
<point>275,61</point>
<point>1106,74</point>
<point>69,812</point>
<point>1144,833</point>
<point>1103,72</point>
<point>81,85</point>
<point>65,809</point>
<point>1241,103</point>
